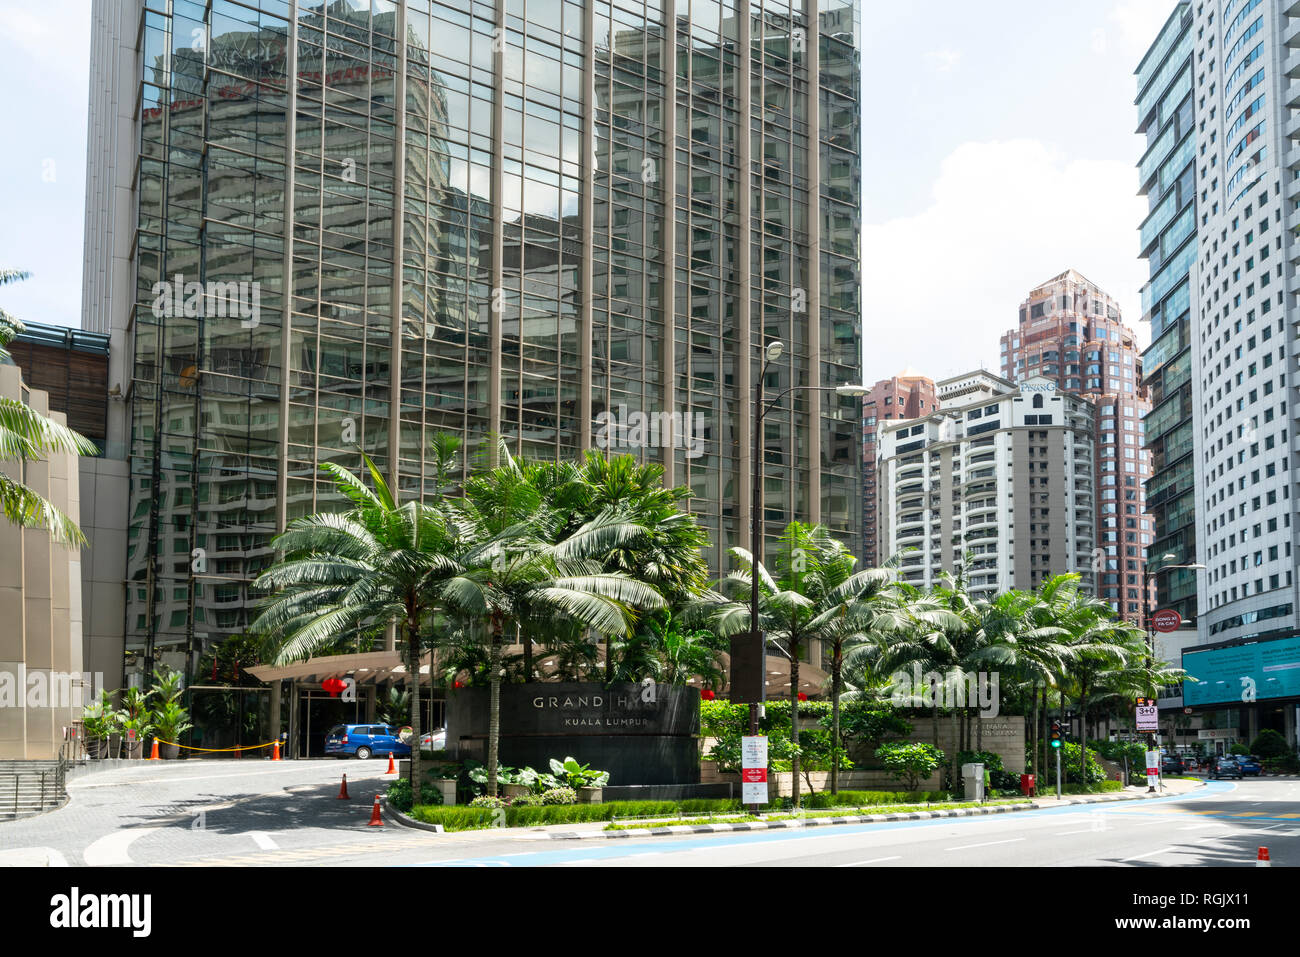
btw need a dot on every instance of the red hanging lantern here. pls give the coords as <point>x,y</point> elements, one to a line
<point>707,695</point>
<point>457,684</point>
<point>334,686</point>
<point>802,696</point>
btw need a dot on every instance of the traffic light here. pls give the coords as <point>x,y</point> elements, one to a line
<point>1056,734</point>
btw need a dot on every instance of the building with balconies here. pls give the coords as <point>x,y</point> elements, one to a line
<point>999,483</point>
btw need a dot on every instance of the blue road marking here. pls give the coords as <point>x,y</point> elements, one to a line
<point>584,851</point>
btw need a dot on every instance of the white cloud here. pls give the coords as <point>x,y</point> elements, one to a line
<point>945,60</point>
<point>941,286</point>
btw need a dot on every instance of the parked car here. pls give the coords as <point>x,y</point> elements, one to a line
<point>1251,765</point>
<point>364,740</point>
<point>1172,764</point>
<point>434,740</point>
<point>1226,767</point>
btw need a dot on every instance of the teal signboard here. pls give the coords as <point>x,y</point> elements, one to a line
<point>1268,669</point>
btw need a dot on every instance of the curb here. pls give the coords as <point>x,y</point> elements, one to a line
<point>397,818</point>
<point>796,824</point>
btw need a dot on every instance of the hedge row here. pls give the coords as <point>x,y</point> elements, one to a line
<point>461,818</point>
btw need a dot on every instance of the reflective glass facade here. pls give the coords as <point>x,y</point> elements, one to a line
<point>1169,243</point>
<point>362,222</point>
<point>358,224</point>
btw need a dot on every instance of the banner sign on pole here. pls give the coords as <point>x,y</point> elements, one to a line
<point>753,769</point>
<point>1153,768</point>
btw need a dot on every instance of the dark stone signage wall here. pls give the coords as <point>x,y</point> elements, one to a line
<point>640,734</point>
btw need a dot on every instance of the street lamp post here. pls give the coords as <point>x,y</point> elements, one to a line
<point>771,353</point>
<point>1148,573</point>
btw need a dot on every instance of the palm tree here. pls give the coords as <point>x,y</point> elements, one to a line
<point>861,633</point>
<point>805,602</point>
<point>512,577</point>
<point>26,435</point>
<point>374,565</point>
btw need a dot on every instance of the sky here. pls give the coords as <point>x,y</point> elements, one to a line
<point>998,151</point>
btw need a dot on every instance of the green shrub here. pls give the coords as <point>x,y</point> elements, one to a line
<point>484,801</point>
<point>1240,749</point>
<point>1070,766</point>
<point>910,762</point>
<point>527,800</point>
<point>560,796</point>
<point>1269,744</point>
<point>400,796</point>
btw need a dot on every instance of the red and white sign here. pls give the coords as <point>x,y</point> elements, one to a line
<point>130,734</point>
<point>1153,768</point>
<point>1166,620</point>
<point>753,769</point>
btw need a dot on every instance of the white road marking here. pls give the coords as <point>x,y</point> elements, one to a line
<point>32,857</point>
<point>1197,827</point>
<point>1163,850</point>
<point>874,860</point>
<point>263,840</point>
<point>967,847</point>
<point>112,849</point>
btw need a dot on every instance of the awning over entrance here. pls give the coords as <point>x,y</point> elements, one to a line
<point>378,667</point>
<point>367,668</point>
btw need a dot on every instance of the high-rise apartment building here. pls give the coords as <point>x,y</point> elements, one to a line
<point>908,395</point>
<point>1168,106</point>
<point>1242,342</point>
<point>316,229</point>
<point>1071,332</point>
<point>999,483</point>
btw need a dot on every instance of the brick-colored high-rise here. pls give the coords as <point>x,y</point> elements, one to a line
<point>1071,331</point>
<point>908,395</point>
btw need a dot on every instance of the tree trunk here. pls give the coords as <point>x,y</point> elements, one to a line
<point>1083,725</point>
<point>1042,733</point>
<point>413,669</point>
<point>794,722</point>
<point>494,706</point>
<point>954,721</point>
<point>837,664</point>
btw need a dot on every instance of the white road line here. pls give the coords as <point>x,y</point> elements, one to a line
<point>1086,830</point>
<point>1163,850</point>
<point>874,860</point>
<point>1197,827</point>
<point>112,849</point>
<point>32,857</point>
<point>967,847</point>
<point>263,840</point>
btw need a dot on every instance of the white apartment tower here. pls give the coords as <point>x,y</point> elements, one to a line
<point>999,481</point>
<point>1246,72</point>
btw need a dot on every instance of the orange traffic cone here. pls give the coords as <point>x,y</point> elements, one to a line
<point>343,790</point>
<point>375,819</point>
<point>392,768</point>
<point>275,751</point>
<point>153,752</point>
<point>1261,859</point>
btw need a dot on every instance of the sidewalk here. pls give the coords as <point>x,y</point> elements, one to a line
<point>595,830</point>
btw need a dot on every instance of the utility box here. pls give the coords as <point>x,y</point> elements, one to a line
<point>972,779</point>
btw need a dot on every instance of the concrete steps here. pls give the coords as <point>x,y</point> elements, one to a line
<point>28,788</point>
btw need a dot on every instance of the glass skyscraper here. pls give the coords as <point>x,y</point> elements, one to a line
<point>1167,174</point>
<point>321,229</point>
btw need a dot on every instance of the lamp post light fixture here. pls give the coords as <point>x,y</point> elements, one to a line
<point>762,405</point>
<point>1148,573</point>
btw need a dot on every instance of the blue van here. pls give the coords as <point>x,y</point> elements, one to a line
<point>363,740</point>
